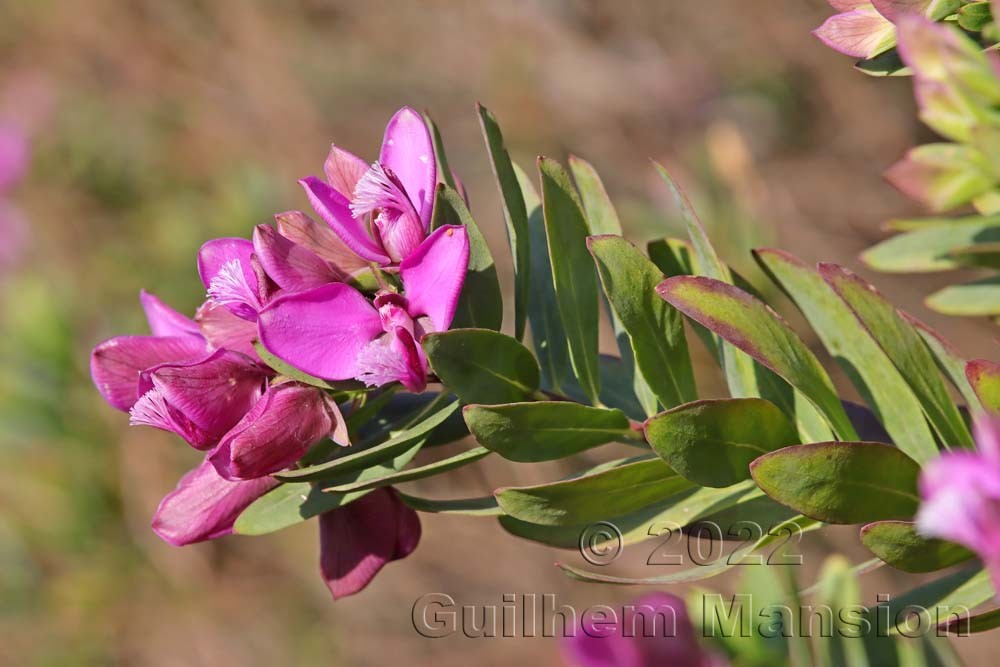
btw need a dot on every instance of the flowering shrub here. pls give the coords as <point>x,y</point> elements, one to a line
<point>329,354</point>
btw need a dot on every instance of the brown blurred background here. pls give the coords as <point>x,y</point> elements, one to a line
<point>158,125</point>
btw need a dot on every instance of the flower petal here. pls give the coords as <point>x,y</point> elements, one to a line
<point>320,331</point>
<point>277,432</point>
<point>394,357</point>
<point>893,9</point>
<point>987,428</point>
<point>357,540</point>
<point>961,501</point>
<point>115,364</point>
<point>861,33</point>
<point>343,169</point>
<point>335,210</point>
<point>291,266</point>
<point>205,506</point>
<point>212,394</point>
<point>407,150</point>
<point>14,156</point>
<point>299,228</point>
<point>164,320</point>
<point>222,329</point>
<point>434,273</point>
<point>226,268</point>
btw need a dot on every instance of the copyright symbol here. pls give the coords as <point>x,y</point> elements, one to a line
<point>601,543</point>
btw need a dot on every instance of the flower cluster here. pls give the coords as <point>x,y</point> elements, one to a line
<point>347,298</point>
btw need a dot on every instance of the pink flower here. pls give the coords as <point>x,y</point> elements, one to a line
<point>14,156</point>
<point>396,193</point>
<point>961,497</point>
<point>334,332</point>
<point>654,630</point>
<point>866,28</point>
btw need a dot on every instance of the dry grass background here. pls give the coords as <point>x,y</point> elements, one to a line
<point>161,124</point>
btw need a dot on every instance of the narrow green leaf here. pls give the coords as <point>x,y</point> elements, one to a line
<point>841,482</point>
<point>573,272</point>
<point>928,249</point>
<point>975,16</point>
<point>544,430</point>
<point>593,497</point>
<point>515,214</point>
<point>935,602</point>
<point>949,360</point>
<point>754,328</point>
<point>871,372</point>
<point>898,544</point>
<point>905,349</point>
<point>401,442</point>
<point>988,620</point>
<point>287,505</point>
<point>980,298</point>
<point>445,174</point>
<point>887,63</point>
<point>482,366</point>
<point>484,506</point>
<point>547,334</point>
<point>984,376</point>
<point>655,330</point>
<point>712,442</point>
<point>838,589</point>
<point>289,371</point>
<point>419,472</point>
<point>481,302</point>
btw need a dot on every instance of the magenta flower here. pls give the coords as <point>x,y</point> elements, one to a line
<point>334,332</point>
<point>357,540</point>
<point>653,631</point>
<point>382,212</point>
<point>14,155</point>
<point>961,497</point>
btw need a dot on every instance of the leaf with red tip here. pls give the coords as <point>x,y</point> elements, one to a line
<point>984,376</point>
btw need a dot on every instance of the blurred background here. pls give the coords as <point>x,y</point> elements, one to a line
<point>158,125</point>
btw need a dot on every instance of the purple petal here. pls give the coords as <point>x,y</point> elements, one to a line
<point>357,540</point>
<point>222,329</point>
<point>847,5</point>
<point>210,395</point>
<point>115,364</point>
<point>434,274</point>
<point>205,506</point>
<point>961,501</point>
<point>291,266</point>
<point>300,229</point>
<point>14,154</point>
<point>342,170</point>
<point>861,33</point>
<point>277,432</point>
<point>335,210</point>
<point>407,150</point>
<point>893,9</point>
<point>227,271</point>
<point>321,331</point>
<point>393,357</point>
<point>987,428</point>
<point>164,320</point>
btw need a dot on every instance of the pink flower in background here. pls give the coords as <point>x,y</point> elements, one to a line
<point>653,631</point>
<point>381,211</point>
<point>866,28</point>
<point>14,157</point>
<point>961,497</point>
<point>334,332</point>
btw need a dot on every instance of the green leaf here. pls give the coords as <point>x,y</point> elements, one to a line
<point>929,249</point>
<point>655,330</point>
<point>980,298</point>
<point>287,505</point>
<point>887,63</point>
<point>482,366</point>
<point>572,272</point>
<point>930,604</point>
<point>390,477</point>
<point>515,214</point>
<point>544,430</point>
<point>292,373</point>
<point>898,544</point>
<point>754,328</point>
<point>699,572</point>
<point>841,482</point>
<point>481,303</point>
<point>838,589</point>
<point>905,349</point>
<point>408,439</point>
<point>484,506</point>
<point>444,171</point>
<point>875,377</point>
<point>593,497</point>
<point>988,620</point>
<point>975,16</point>
<point>949,360</point>
<point>981,255</point>
<point>547,334</point>
<point>712,442</point>
<point>984,376</point>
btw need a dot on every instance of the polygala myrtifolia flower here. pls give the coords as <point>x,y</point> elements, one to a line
<point>866,28</point>
<point>653,631</point>
<point>14,155</point>
<point>961,497</point>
